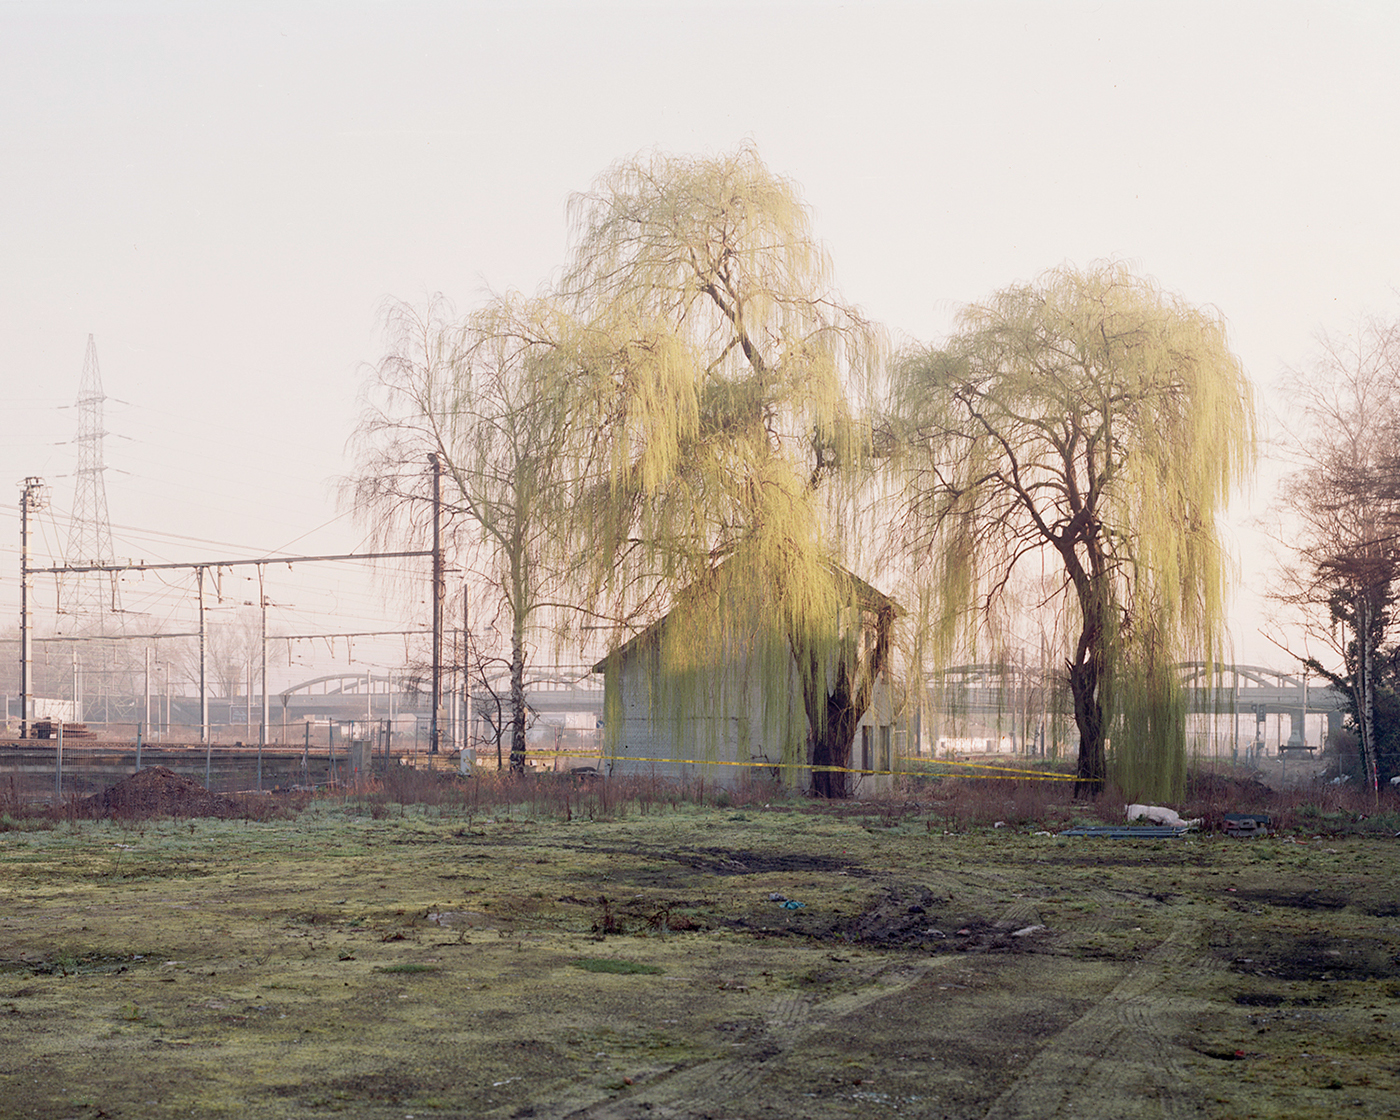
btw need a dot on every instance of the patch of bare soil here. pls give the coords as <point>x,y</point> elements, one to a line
<point>1311,899</point>
<point>1208,785</point>
<point>158,791</point>
<point>731,861</point>
<point>1310,955</point>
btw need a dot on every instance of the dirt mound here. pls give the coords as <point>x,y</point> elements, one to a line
<point>158,791</point>
<point>1207,785</point>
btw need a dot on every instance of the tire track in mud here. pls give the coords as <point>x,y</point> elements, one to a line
<point>725,1082</point>
<point>1121,1050</point>
<point>789,1012</point>
<point>1023,912</point>
<point>723,1086</point>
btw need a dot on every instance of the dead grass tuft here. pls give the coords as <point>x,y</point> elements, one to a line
<point>930,802</point>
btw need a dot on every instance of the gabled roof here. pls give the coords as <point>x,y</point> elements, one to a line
<point>865,592</point>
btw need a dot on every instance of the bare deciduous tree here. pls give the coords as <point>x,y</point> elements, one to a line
<point>481,394</point>
<point>233,653</point>
<point>1346,499</point>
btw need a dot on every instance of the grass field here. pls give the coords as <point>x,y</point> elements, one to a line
<point>631,958</point>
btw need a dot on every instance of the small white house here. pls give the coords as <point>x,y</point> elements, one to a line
<point>729,730</point>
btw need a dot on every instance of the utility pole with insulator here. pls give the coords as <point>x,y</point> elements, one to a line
<point>31,499</point>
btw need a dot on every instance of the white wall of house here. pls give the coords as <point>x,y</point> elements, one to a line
<point>711,740</point>
<point>725,736</point>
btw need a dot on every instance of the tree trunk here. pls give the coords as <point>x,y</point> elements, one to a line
<point>517,698</point>
<point>833,716</point>
<point>1086,677</point>
<point>1366,680</point>
<point>832,745</point>
<point>1084,681</point>
<point>1093,589</point>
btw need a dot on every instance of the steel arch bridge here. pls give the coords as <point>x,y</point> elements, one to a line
<point>1212,689</point>
<point>355,696</point>
<point>350,696</point>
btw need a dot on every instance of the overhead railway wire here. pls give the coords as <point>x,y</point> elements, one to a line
<point>200,567</point>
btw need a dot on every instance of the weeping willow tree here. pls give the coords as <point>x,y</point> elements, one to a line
<point>1091,425</point>
<point>719,377</point>
<point>479,394</point>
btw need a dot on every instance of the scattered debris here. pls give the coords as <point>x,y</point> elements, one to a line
<point>1242,826</point>
<point>1160,814</point>
<point>48,729</point>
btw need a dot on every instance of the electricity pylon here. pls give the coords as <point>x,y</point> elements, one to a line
<point>89,600</point>
<point>91,596</point>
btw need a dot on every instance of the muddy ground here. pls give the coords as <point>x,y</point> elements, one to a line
<point>659,965</point>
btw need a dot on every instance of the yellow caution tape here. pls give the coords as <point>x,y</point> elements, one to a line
<point>1039,775</point>
<point>997,771</point>
<point>927,767</point>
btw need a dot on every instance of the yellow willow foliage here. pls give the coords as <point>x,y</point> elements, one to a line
<point>1091,422</point>
<point>719,378</point>
<point>1149,728</point>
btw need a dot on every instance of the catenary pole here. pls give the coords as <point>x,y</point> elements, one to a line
<point>203,650</point>
<point>262,727</point>
<point>30,499</point>
<point>433,728</point>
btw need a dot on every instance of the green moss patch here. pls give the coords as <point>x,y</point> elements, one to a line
<point>617,967</point>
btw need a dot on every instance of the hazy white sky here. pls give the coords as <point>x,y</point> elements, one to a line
<point>225,194</point>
